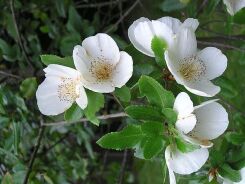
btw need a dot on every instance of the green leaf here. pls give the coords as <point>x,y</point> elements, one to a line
<point>227,172</point>
<point>123,93</point>
<point>228,87</point>
<point>127,138</point>
<point>53,59</point>
<point>184,146</point>
<point>235,138</point>
<point>28,87</point>
<point>155,93</point>
<point>153,146</point>
<point>152,128</point>
<point>170,115</point>
<point>7,179</point>
<point>158,45</point>
<point>74,113</point>
<point>141,112</point>
<point>95,103</point>
<point>74,23</point>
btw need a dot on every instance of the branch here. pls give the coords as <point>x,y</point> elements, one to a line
<point>18,34</point>
<point>221,45</point>
<point>103,117</point>
<point>10,75</point>
<point>121,174</point>
<point>34,154</point>
<point>98,5</point>
<point>122,17</point>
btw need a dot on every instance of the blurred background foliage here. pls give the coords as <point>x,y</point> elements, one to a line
<point>68,153</point>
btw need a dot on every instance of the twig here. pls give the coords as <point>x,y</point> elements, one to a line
<point>122,17</point>
<point>34,154</point>
<point>10,75</point>
<point>98,5</point>
<point>122,170</point>
<point>18,34</point>
<point>221,45</point>
<point>103,117</point>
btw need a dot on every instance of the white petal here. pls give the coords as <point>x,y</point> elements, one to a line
<point>203,88</point>
<point>186,163</point>
<point>47,97</point>
<point>212,121</point>
<point>81,60</point>
<point>233,6</point>
<point>99,87</point>
<point>173,66</point>
<point>101,47</point>
<point>191,23</point>
<point>183,105</point>
<point>203,143</point>
<point>215,62</point>
<point>186,124</point>
<point>172,179</point>
<point>82,100</point>
<point>185,44</point>
<point>242,171</point>
<point>138,43</point>
<point>171,22</point>
<point>142,31</point>
<point>60,71</point>
<point>123,70</point>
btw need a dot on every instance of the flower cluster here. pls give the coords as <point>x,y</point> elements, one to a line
<point>100,67</point>
<point>194,69</point>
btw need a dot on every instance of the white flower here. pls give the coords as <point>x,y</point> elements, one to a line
<point>192,68</point>
<point>196,125</point>
<point>61,88</point>
<point>201,123</point>
<point>184,163</point>
<point>233,6</point>
<point>102,65</point>
<point>143,30</point>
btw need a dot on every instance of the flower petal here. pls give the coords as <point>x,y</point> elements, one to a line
<point>171,22</point>
<point>47,97</point>
<point>191,23</point>
<point>183,105</point>
<point>212,121</point>
<point>123,70</point>
<point>138,44</point>
<point>101,47</point>
<point>204,143</point>
<point>234,6</point>
<point>185,44</point>
<point>142,31</point>
<point>60,71</point>
<point>186,163</point>
<point>203,88</point>
<point>100,86</point>
<point>215,62</point>
<point>82,100</point>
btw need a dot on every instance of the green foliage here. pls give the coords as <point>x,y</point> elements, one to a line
<point>53,59</point>
<point>7,179</point>
<point>74,113</point>
<point>170,114</point>
<point>227,172</point>
<point>159,46</point>
<point>155,93</point>
<point>95,103</point>
<point>147,113</point>
<point>235,138</point>
<point>28,87</point>
<point>171,5</point>
<point>123,93</point>
<point>184,146</point>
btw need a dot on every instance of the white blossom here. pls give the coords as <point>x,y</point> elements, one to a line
<point>60,89</point>
<point>192,68</point>
<point>103,67</point>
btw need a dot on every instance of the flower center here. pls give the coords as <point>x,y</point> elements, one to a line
<point>102,71</point>
<point>68,90</point>
<point>192,68</point>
